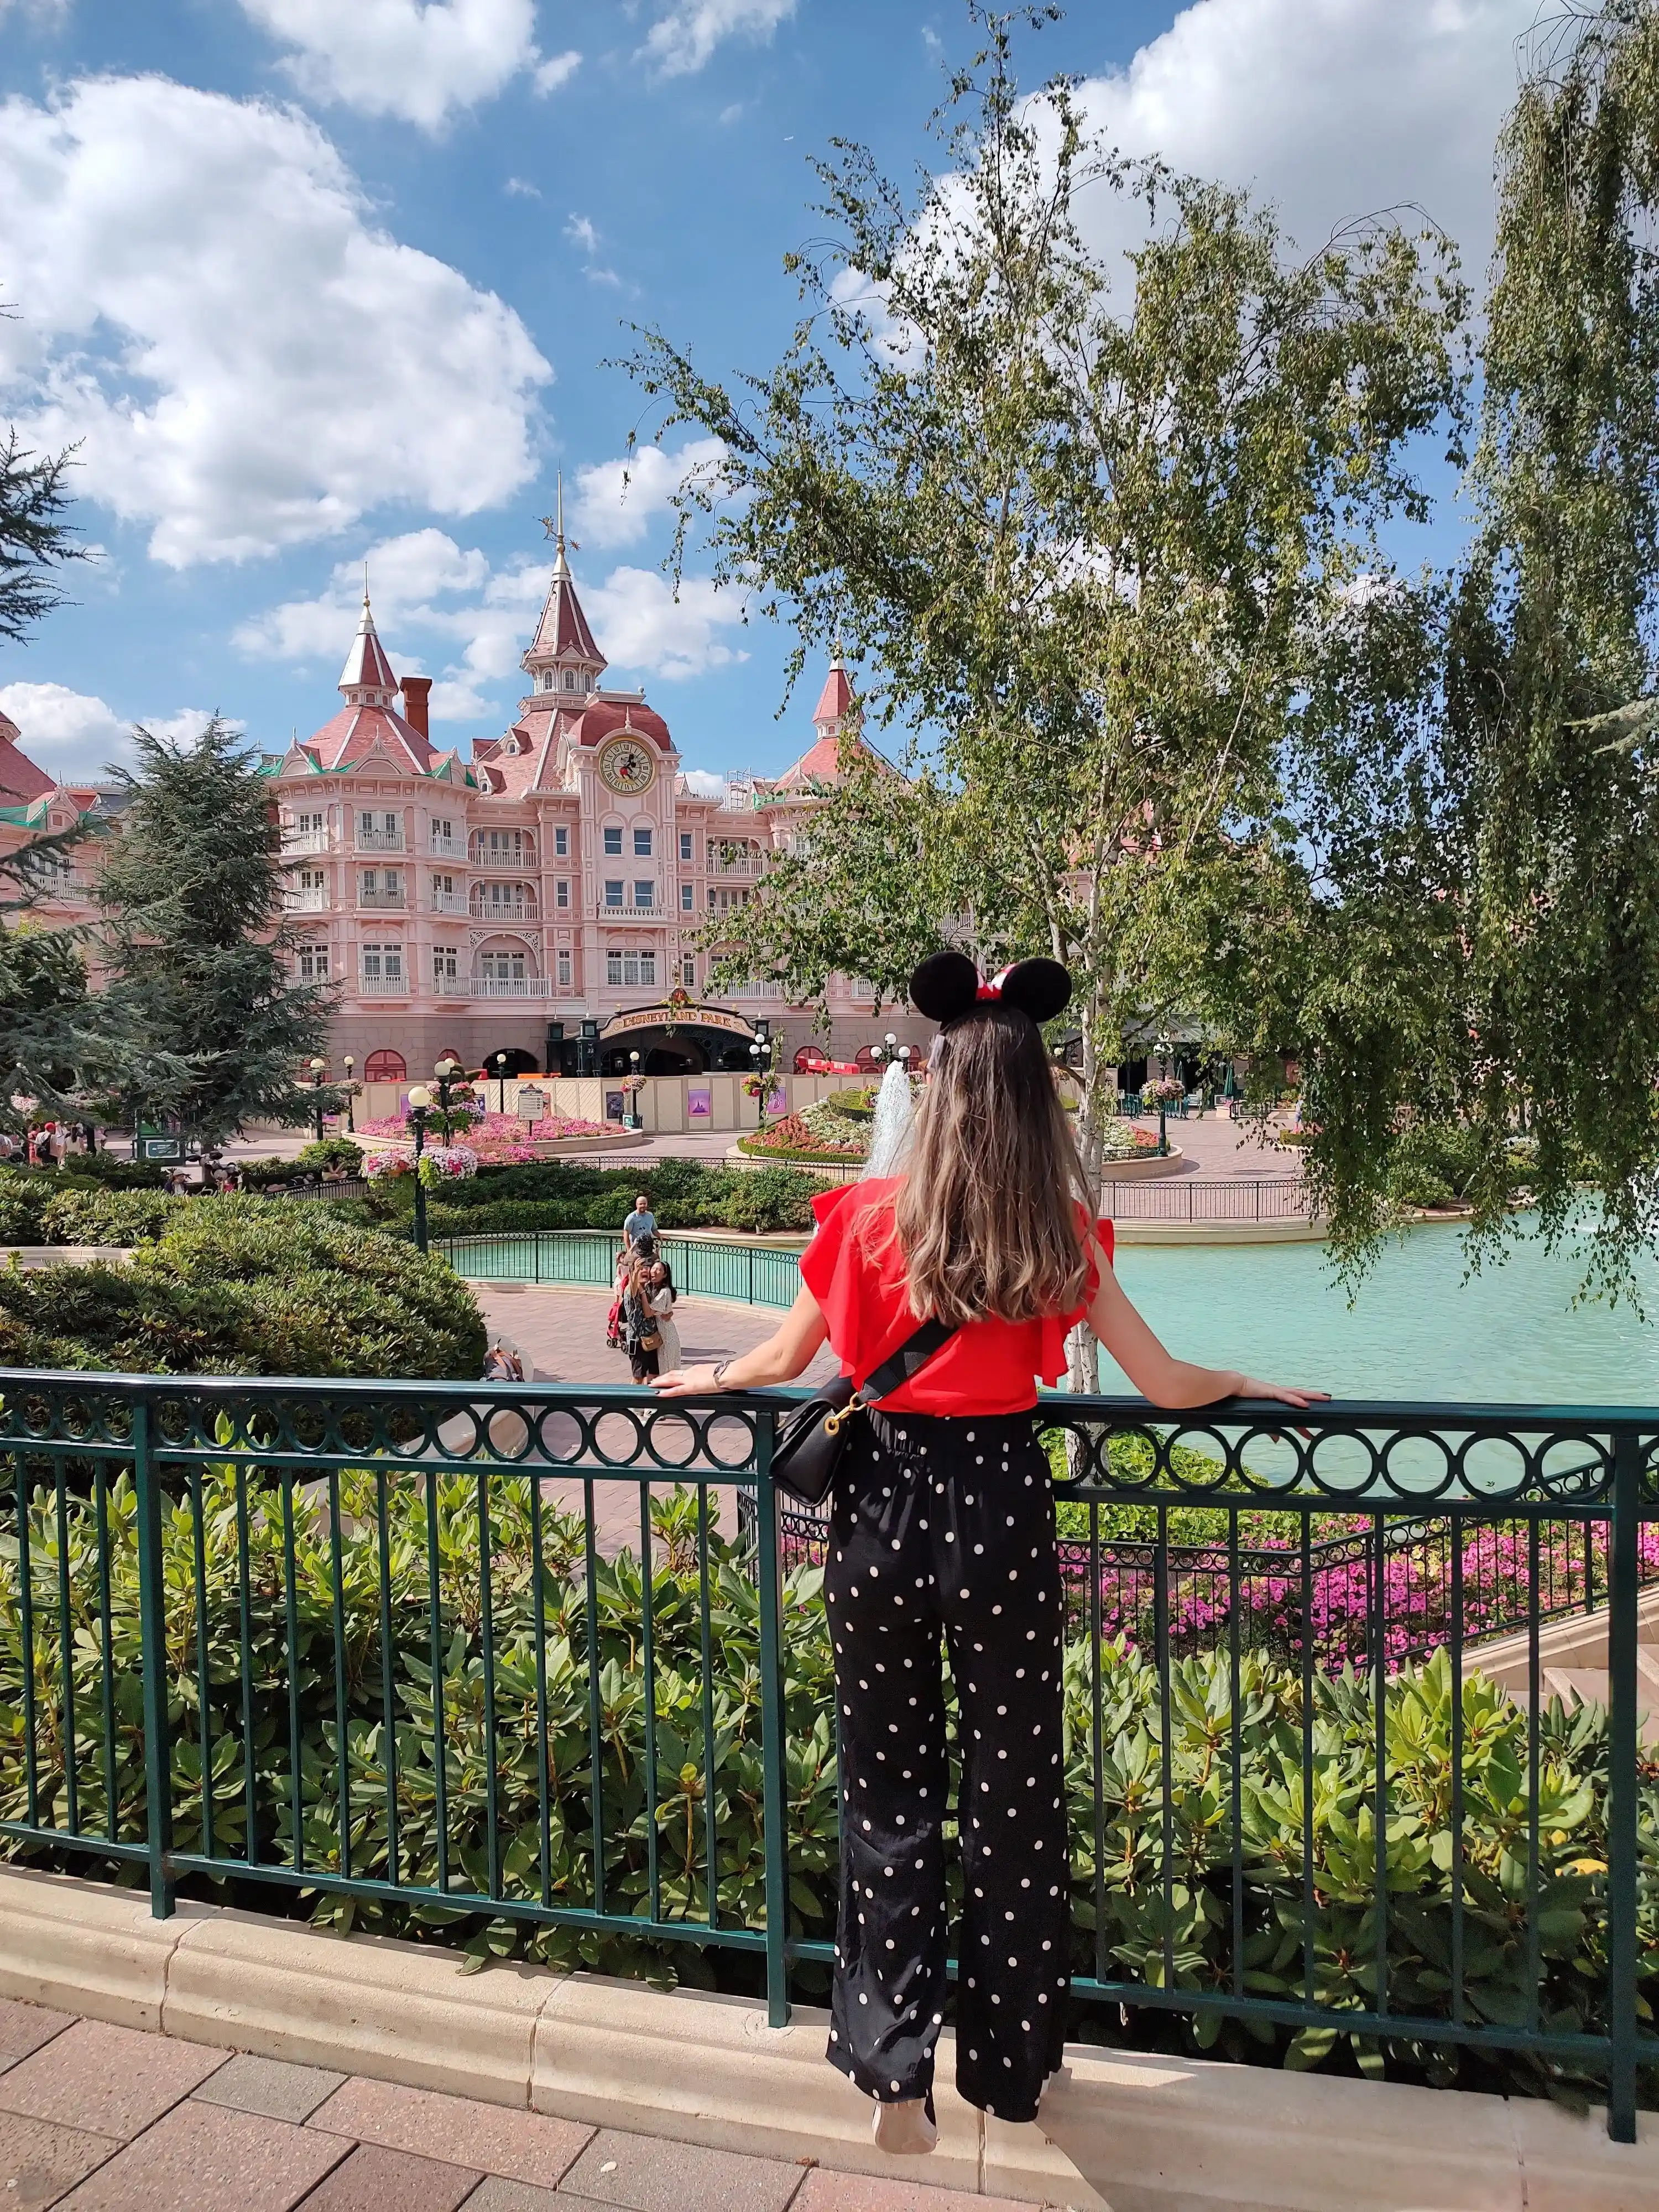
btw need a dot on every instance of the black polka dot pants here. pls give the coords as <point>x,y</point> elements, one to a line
<point>949,1524</point>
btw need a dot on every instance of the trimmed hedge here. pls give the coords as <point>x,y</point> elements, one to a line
<point>236,1286</point>
<point>555,1195</point>
<point>1136,1815</point>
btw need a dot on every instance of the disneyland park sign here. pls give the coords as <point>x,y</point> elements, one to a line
<point>682,1017</point>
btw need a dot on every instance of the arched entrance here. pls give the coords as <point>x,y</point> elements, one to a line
<point>510,1061</point>
<point>674,1040</point>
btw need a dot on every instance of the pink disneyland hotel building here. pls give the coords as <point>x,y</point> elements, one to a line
<point>542,900</point>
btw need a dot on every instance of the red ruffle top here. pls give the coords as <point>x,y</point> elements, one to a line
<point>855,1267</point>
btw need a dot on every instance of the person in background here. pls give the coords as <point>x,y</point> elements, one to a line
<point>613,1320</point>
<point>663,1296</point>
<point>641,1223</point>
<point>942,1528</point>
<point>640,1330</point>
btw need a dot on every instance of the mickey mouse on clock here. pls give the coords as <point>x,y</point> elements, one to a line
<point>626,766</point>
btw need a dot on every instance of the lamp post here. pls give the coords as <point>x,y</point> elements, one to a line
<point>1164,1049</point>
<point>351,1126</point>
<point>631,1093</point>
<point>420,1104</point>
<point>501,1083</point>
<point>319,1069</point>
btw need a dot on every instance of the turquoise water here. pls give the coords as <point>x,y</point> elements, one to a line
<point>1416,1329</point>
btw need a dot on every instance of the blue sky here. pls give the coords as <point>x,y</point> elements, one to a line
<point>315,280</point>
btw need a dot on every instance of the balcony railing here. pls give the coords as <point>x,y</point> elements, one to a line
<point>306,840</point>
<point>447,902</point>
<point>508,987</point>
<point>382,901</point>
<point>380,840</point>
<point>602,912</point>
<point>312,898</point>
<point>446,848</point>
<point>511,911</point>
<point>1229,1764</point>
<point>383,986</point>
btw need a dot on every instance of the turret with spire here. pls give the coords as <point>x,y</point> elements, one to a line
<point>562,656</point>
<point>366,679</point>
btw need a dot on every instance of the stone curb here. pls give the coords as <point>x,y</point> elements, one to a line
<point>1121,2131</point>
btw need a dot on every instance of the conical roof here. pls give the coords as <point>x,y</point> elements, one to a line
<point>836,700</point>
<point>366,668</point>
<point>19,777</point>
<point>562,633</point>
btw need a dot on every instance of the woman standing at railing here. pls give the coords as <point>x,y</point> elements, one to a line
<point>943,1519</point>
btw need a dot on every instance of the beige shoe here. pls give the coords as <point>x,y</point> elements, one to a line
<point>906,2129</point>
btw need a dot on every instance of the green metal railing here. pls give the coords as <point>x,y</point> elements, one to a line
<point>753,1274</point>
<point>396,1650</point>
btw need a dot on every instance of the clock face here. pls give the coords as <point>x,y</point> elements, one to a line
<point>626,765</point>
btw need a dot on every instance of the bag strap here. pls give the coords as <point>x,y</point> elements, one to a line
<point>900,1366</point>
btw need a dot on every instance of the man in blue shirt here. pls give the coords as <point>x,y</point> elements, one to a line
<point>641,1223</point>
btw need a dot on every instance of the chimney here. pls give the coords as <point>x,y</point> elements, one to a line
<point>415,689</point>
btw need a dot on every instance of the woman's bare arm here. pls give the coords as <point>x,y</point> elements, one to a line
<point>1155,1372</point>
<point>786,1353</point>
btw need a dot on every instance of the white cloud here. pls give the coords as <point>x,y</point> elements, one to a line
<point>703,783</point>
<point>520,188</point>
<point>617,501</point>
<point>74,735</point>
<point>251,362</point>
<point>60,729</point>
<point>642,625</point>
<point>557,70</point>
<point>580,231</point>
<point>1328,108</point>
<point>683,39</point>
<point>418,59</point>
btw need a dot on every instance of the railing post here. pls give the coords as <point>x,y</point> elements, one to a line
<point>1624,1579</point>
<point>153,1646</point>
<point>775,1793</point>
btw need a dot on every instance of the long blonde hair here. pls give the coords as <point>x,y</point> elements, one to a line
<point>988,1216</point>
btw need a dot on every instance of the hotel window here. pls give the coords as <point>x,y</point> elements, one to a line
<point>685,844</point>
<point>613,840</point>
<point>562,843</point>
<point>314,964</point>
<point>688,972</point>
<point>500,847</point>
<point>562,892</point>
<point>641,844</point>
<point>622,969</point>
<point>645,892</point>
<point>443,833</point>
<point>383,963</point>
<point>688,899</point>
<point>308,825</point>
<point>564,971</point>
<point>613,893</point>
<point>501,968</point>
<point>569,679</point>
<point>444,969</point>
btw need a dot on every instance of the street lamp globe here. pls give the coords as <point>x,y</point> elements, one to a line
<point>889,1040</point>
<point>420,1098</point>
<point>349,1064</point>
<point>318,1066</point>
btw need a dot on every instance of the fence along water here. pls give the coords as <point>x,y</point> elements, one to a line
<point>391,1653</point>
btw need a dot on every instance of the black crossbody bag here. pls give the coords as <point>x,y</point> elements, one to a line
<point>808,1442</point>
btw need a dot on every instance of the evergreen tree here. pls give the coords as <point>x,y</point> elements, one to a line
<point>35,539</point>
<point>196,948</point>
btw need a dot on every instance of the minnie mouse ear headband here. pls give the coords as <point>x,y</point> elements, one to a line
<point>947,985</point>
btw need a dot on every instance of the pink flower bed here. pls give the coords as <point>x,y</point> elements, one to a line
<point>498,1140</point>
<point>1416,1594</point>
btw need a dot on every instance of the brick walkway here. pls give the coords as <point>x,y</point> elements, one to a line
<point>95,2118</point>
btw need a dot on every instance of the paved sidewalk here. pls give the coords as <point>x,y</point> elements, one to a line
<point>94,2118</point>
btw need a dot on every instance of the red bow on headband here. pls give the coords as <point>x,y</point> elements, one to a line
<point>994,988</point>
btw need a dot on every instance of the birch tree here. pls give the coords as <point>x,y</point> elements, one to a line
<point>1083,520</point>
